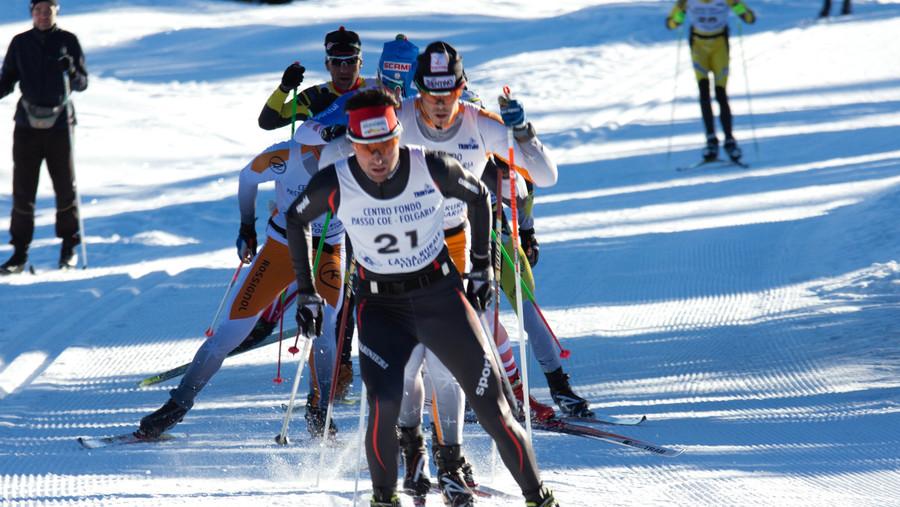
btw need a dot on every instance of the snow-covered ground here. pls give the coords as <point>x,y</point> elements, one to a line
<point>751,314</point>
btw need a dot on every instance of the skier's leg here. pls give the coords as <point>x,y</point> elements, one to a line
<point>413,390</point>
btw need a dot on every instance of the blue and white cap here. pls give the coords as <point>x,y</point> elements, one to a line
<point>397,65</point>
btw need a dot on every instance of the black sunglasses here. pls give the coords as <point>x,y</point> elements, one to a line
<point>340,60</point>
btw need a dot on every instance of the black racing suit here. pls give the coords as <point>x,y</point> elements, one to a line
<point>32,60</point>
<point>426,306</point>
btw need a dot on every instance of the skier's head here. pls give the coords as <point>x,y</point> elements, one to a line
<point>43,13</point>
<point>374,132</point>
<point>397,66</point>
<point>342,57</point>
<point>440,79</point>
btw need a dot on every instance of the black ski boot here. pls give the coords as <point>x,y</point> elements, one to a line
<point>731,148</point>
<point>67,257</point>
<point>261,330</point>
<point>384,498</point>
<point>569,403</point>
<point>157,423</point>
<point>16,263</point>
<point>711,152</point>
<point>453,486</point>
<point>542,498</point>
<point>315,419</point>
<point>415,463</point>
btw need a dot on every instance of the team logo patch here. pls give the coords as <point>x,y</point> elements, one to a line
<point>422,193</point>
<point>471,145</point>
<point>439,62</point>
<point>440,82</point>
<point>374,127</point>
<point>396,66</point>
<point>278,165</point>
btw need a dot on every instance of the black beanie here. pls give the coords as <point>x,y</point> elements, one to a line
<point>51,2</point>
<point>342,42</point>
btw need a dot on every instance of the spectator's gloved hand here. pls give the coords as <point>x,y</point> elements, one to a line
<point>310,308</point>
<point>512,112</point>
<point>292,77</point>
<point>332,132</point>
<point>66,64</point>
<point>530,245</point>
<point>479,290</point>
<point>246,242</point>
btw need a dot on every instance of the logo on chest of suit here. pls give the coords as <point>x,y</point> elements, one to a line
<point>422,193</point>
<point>277,164</point>
<point>471,145</point>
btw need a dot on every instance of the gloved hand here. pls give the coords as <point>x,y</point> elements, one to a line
<point>332,132</point>
<point>292,77</point>
<point>530,245</point>
<point>675,20</point>
<point>310,308</point>
<point>66,64</point>
<point>246,242</point>
<point>478,291</point>
<point>512,112</point>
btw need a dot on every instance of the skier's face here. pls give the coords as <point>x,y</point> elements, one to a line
<point>344,70</point>
<point>378,160</point>
<point>43,15</point>
<point>441,109</point>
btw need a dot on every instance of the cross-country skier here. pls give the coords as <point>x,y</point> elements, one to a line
<point>290,165</point>
<point>391,201</point>
<point>709,51</point>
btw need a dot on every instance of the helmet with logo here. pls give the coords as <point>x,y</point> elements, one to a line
<point>439,69</point>
<point>397,65</point>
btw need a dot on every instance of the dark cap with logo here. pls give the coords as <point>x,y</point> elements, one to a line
<point>35,2</point>
<point>342,42</point>
<point>439,69</point>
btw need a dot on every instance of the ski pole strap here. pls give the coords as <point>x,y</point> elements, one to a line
<point>739,8</point>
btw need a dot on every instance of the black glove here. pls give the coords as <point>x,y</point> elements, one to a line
<point>66,64</point>
<point>310,308</point>
<point>478,291</point>
<point>292,77</point>
<point>246,242</point>
<point>333,132</point>
<point>530,245</point>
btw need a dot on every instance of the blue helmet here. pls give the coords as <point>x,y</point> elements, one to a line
<point>397,65</point>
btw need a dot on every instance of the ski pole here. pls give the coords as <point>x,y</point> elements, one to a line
<point>68,96</point>
<point>360,440</point>
<point>294,110</point>
<point>281,438</point>
<point>563,352</point>
<point>674,99</point>
<point>278,378</point>
<point>211,330</point>
<point>345,309</point>
<point>523,338</point>
<point>747,87</point>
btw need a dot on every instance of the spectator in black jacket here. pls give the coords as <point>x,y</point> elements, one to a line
<point>48,64</point>
<point>826,8</point>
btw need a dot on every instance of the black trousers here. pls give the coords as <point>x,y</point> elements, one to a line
<point>826,7</point>
<point>30,148</point>
<point>440,317</point>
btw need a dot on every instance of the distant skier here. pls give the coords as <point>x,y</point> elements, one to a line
<point>826,8</point>
<point>709,51</point>
<point>390,198</point>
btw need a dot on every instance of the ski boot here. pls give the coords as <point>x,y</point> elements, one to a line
<point>453,486</point>
<point>468,474</point>
<point>542,498</point>
<point>16,263</point>
<point>711,152</point>
<point>315,419</point>
<point>568,402</point>
<point>261,330</point>
<point>731,148</point>
<point>383,498</point>
<point>157,423</point>
<point>539,411</point>
<point>415,478</point>
<point>67,257</point>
